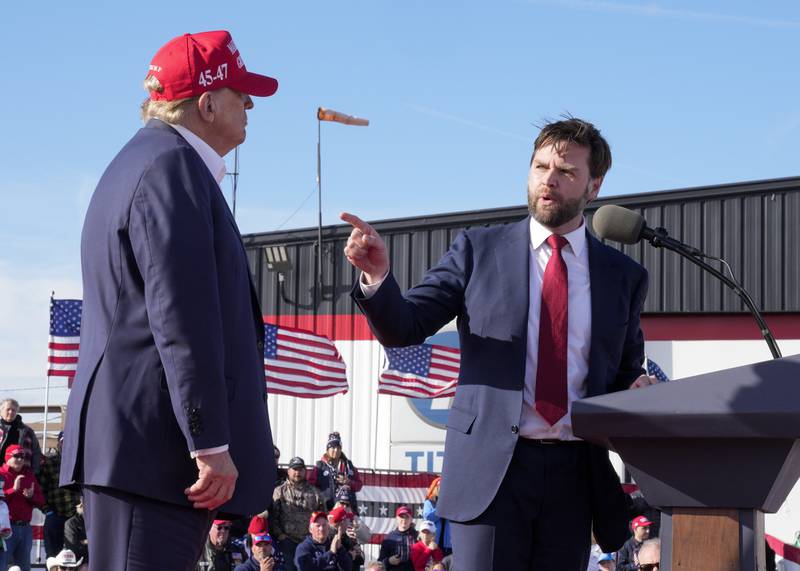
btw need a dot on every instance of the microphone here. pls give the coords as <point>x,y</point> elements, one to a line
<point>620,224</point>
<point>331,115</point>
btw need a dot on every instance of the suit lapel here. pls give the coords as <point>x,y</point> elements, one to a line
<point>512,255</point>
<point>604,279</point>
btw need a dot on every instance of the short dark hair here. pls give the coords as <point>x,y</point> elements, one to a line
<point>579,132</point>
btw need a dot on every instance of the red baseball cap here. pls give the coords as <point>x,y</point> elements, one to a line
<point>14,449</point>
<point>191,64</point>
<point>404,510</point>
<point>339,514</point>
<point>640,521</point>
<point>316,515</point>
<point>222,521</point>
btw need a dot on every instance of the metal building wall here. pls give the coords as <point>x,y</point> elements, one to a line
<point>754,226</point>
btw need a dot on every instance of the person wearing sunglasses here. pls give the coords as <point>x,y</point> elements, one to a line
<point>23,493</point>
<point>650,555</point>
<point>220,552</point>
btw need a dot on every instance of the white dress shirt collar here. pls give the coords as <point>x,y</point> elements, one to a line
<point>576,238</point>
<point>214,162</point>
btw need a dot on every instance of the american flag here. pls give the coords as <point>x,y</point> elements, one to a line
<point>65,338</point>
<point>302,364</point>
<point>420,371</point>
<point>655,371</point>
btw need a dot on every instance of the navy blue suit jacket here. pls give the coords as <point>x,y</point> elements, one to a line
<point>483,281</point>
<point>172,337</point>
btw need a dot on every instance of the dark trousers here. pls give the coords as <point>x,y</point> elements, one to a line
<point>540,519</point>
<point>54,533</point>
<point>127,532</point>
<point>288,549</point>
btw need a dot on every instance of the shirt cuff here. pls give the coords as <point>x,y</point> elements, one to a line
<point>368,290</point>
<point>208,451</point>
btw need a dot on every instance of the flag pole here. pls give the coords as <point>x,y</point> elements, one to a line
<point>47,383</point>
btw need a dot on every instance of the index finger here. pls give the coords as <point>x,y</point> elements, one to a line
<point>356,222</point>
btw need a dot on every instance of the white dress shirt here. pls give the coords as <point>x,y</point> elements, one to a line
<point>216,166</point>
<point>579,328</point>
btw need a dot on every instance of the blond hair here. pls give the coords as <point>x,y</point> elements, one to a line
<point>168,111</point>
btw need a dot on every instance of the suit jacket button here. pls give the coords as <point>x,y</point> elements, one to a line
<point>514,429</point>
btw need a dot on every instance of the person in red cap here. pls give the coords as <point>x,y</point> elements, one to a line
<point>628,557</point>
<point>220,552</point>
<point>265,557</point>
<point>341,521</point>
<point>169,392</point>
<point>320,551</point>
<point>395,551</point>
<point>22,493</point>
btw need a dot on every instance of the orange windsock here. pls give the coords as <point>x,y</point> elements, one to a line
<point>331,115</point>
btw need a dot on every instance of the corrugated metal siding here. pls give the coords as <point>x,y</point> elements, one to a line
<point>754,226</point>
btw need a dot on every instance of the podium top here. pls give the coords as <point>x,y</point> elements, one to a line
<point>761,400</point>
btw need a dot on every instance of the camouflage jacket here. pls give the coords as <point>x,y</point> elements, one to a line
<point>292,506</point>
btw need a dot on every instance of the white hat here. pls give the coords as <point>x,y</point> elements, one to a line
<point>64,559</point>
<point>427,526</point>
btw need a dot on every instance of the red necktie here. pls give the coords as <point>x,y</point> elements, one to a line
<point>551,366</point>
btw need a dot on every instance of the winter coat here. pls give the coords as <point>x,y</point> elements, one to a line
<point>626,558</point>
<point>22,434</point>
<point>398,543</point>
<point>20,508</point>
<point>421,554</point>
<point>313,556</point>
<point>324,475</point>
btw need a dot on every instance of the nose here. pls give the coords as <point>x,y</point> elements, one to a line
<point>248,102</point>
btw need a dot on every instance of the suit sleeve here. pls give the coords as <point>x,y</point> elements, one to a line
<point>630,367</point>
<point>172,236</point>
<point>398,320</point>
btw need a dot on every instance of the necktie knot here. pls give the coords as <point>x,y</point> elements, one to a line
<point>556,242</point>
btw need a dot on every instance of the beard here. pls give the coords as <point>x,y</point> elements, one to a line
<point>560,211</point>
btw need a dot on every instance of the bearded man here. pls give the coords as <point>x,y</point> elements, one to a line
<point>546,315</point>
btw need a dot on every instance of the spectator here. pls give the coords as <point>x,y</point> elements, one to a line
<point>429,513</point>
<point>628,560</point>
<point>606,562</point>
<point>75,538</point>
<point>362,532</point>
<point>292,504</point>
<point>375,566</point>
<point>436,566</point>
<point>341,522</point>
<point>425,552</point>
<point>265,557</point>
<point>59,503</point>
<point>335,471</point>
<point>219,552</point>
<point>22,495</point>
<point>65,559</point>
<point>14,431</point>
<point>318,551</point>
<point>649,555</point>
<point>5,529</point>
<point>395,550</point>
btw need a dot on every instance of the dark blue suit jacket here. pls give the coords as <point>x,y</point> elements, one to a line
<point>172,338</point>
<point>483,280</point>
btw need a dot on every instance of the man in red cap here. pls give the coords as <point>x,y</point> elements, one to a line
<point>168,401</point>
<point>321,552</point>
<point>265,556</point>
<point>22,493</point>
<point>395,551</point>
<point>628,558</point>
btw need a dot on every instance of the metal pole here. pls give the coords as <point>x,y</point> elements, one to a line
<point>47,385</point>
<point>318,296</point>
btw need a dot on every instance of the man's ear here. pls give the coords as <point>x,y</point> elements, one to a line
<point>594,187</point>
<point>206,106</point>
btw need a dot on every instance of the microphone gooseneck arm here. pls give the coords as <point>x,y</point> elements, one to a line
<point>658,237</point>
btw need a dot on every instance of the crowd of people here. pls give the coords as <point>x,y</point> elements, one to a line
<point>312,523</point>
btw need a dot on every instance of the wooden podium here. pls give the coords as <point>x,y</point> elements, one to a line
<point>714,452</point>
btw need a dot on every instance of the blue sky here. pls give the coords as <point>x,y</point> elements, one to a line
<point>687,92</point>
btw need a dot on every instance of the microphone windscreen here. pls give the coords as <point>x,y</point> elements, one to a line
<point>619,224</point>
